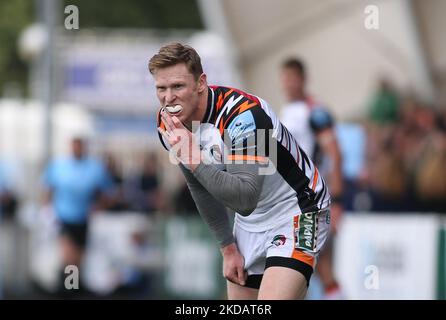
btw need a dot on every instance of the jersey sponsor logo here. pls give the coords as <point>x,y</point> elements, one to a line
<point>244,138</point>
<point>306,231</point>
<point>242,128</point>
<point>279,240</point>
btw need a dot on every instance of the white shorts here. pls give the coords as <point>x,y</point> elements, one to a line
<point>294,243</point>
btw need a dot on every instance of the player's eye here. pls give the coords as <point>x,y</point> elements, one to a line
<point>178,86</point>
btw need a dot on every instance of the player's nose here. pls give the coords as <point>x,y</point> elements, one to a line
<point>170,96</point>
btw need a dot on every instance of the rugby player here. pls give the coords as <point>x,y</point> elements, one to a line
<point>226,141</point>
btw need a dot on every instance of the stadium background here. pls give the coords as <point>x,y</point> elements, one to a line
<point>93,81</point>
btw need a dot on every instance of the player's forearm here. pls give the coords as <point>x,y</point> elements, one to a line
<point>327,140</point>
<point>212,212</point>
<point>335,175</point>
<point>215,216</point>
<point>238,189</point>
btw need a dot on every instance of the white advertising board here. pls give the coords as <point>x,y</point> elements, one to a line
<point>387,256</point>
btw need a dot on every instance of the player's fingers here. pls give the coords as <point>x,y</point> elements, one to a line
<point>167,120</point>
<point>233,279</point>
<point>241,276</point>
<point>230,274</point>
<point>166,124</point>
<point>164,134</point>
<point>174,139</point>
<point>171,139</point>
<point>177,123</point>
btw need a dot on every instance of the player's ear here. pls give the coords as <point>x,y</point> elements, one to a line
<point>202,83</point>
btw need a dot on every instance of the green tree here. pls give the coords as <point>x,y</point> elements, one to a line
<point>154,14</point>
<point>14,17</point>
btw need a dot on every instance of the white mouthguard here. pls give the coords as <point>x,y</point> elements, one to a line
<point>174,109</point>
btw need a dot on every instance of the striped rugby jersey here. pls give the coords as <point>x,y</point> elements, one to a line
<point>231,130</point>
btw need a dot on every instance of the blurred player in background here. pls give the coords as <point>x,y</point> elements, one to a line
<point>313,126</point>
<point>75,186</point>
<point>226,142</point>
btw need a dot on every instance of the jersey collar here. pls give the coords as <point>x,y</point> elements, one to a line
<point>210,108</point>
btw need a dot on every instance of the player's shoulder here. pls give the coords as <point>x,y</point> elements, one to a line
<point>225,93</point>
<point>235,107</point>
<point>248,121</point>
<point>219,89</point>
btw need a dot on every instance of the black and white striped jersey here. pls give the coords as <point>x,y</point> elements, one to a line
<point>239,126</point>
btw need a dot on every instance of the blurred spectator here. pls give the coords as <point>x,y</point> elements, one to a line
<point>8,198</point>
<point>352,142</point>
<point>388,181</point>
<point>75,187</point>
<point>144,191</point>
<point>183,201</point>
<point>116,200</point>
<point>383,108</point>
<point>137,282</point>
<point>405,161</point>
<point>8,203</point>
<point>429,174</point>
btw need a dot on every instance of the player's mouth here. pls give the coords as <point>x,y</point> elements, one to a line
<point>174,109</point>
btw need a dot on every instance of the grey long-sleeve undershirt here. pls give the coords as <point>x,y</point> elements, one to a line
<point>212,190</point>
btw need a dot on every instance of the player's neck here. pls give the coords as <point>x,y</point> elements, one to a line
<point>298,96</point>
<point>202,106</point>
<point>201,110</point>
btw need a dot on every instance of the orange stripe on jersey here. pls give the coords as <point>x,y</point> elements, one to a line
<point>219,103</point>
<point>304,257</point>
<point>221,127</point>
<point>236,157</point>
<point>316,175</point>
<point>228,93</point>
<point>160,123</point>
<point>230,116</point>
<point>296,224</point>
<point>246,105</point>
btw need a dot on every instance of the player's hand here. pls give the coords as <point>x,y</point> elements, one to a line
<point>181,140</point>
<point>233,265</point>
